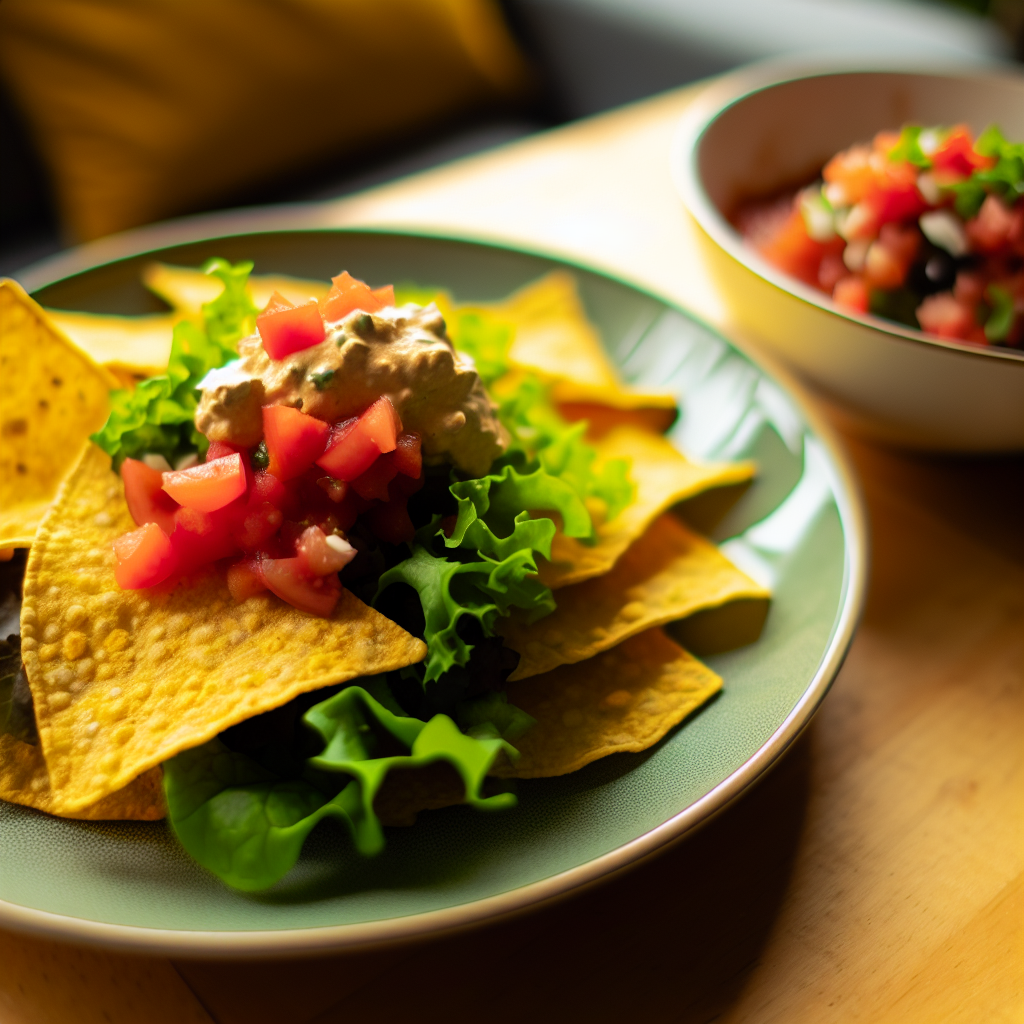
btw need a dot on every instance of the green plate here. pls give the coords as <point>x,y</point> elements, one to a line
<point>798,528</point>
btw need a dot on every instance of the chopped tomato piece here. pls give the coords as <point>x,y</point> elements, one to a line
<point>958,155</point>
<point>287,578</point>
<point>381,421</point>
<point>323,553</point>
<point>245,580</point>
<point>294,440</point>
<point>144,558</point>
<point>220,450</point>
<point>374,482</point>
<point>267,487</point>
<point>896,202</point>
<point>208,486</point>
<point>943,315</point>
<point>355,444</point>
<point>991,230</point>
<point>286,328</point>
<point>791,249</point>
<point>390,520</point>
<point>852,293</point>
<point>202,537</point>
<point>349,293</point>
<point>258,524</point>
<point>147,501</point>
<point>407,456</point>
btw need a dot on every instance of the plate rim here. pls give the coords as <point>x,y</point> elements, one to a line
<point>326,939</point>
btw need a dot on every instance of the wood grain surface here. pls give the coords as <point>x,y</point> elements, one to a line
<point>876,875</point>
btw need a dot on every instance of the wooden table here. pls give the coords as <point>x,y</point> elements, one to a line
<point>876,875</point>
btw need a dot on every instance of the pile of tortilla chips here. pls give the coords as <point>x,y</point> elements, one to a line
<point>123,680</point>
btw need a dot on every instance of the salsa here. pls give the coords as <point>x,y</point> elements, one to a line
<point>924,227</point>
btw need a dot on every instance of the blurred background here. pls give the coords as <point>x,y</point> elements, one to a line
<point>118,113</point>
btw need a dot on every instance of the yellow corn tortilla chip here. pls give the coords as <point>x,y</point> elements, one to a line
<point>669,573</point>
<point>52,396</point>
<point>24,780</point>
<point>185,289</point>
<point>18,524</point>
<point>123,680</point>
<point>131,347</point>
<point>624,699</point>
<point>555,339</point>
<point>663,477</point>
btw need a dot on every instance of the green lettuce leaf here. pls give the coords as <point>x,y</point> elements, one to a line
<point>247,824</point>
<point>483,588</point>
<point>157,416</point>
<point>541,436</point>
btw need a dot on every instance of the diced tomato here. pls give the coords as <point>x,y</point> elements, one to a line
<point>208,486</point>
<point>202,537</point>
<point>390,520</point>
<point>323,553</point>
<point>404,486</point>
<point>993,228</point>
<point>286,328</point>
<point>355,444</point>
<point>850,175</point>
<point>957,154</point>
<point>147,501</point>
<point>374,482</point>
<point>144,558</point>
<point>220,450</point>
<point>294,440</point>
<point>943,315</point>
<point>258,523</point>
<point>349,293</point>
<point>407,456</point>
<point>791,249</point>
<point>267,487</point>
<point>896,202</point>
<point>383,424</point>
<point>287,578</point>
<point>851,293</point>
<point>245,580</point>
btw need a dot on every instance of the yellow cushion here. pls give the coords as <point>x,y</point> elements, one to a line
<point>144,109</point>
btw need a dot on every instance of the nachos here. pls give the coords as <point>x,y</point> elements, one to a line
<point>354,554</point>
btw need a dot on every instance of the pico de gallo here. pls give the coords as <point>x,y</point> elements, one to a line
<point>924,227</point>
<point>309,448</point>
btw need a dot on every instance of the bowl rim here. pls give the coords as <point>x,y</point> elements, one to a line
<point>731,90</point>
<point>328,939</point>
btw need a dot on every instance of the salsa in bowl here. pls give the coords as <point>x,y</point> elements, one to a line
<point>748,161</point>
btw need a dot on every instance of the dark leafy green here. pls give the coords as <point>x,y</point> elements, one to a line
<point>157,416</point>
<point>247,824</point>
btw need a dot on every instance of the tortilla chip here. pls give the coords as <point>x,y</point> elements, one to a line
<point>662,476</point>
<point>137,346</point>
<point>52,396</point>
<point>625,699</point>
<point>185,289</point>
<point>669,573</point>
<point>24,780</point>
<point>555,340</point>
<point>123,680</point>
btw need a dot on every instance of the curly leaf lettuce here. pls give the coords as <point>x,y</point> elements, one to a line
<point>157,416</point>
<point>484,588</point>
<point>247,824</point>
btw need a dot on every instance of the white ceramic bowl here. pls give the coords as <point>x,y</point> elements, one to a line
<point>770,127</point>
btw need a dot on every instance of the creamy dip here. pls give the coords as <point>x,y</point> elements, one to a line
<point>402,352</point>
